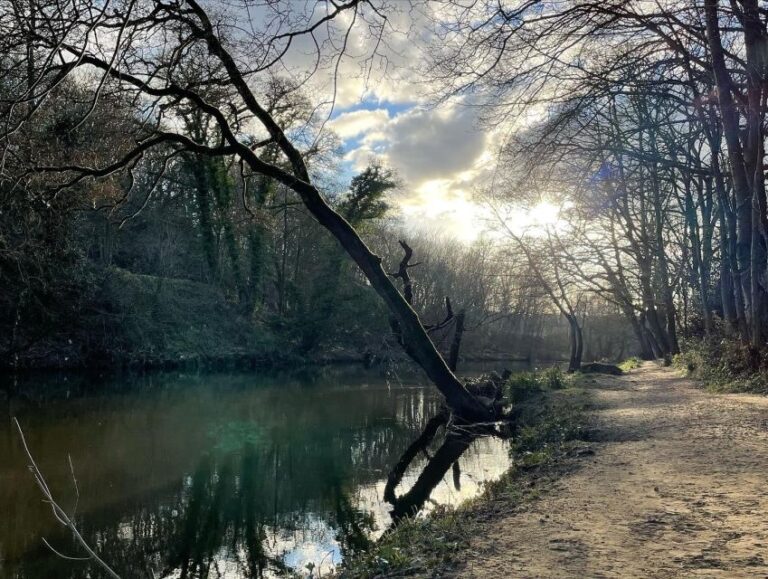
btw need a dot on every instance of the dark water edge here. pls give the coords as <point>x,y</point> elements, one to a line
<point>194,473</point>
<point>62,360</point>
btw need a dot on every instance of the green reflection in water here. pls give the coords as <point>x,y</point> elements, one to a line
<point>234,475</point>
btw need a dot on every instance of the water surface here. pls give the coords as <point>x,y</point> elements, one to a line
<point>216,475</point>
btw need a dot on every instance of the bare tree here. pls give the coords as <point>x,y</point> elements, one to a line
<point>695,73</point>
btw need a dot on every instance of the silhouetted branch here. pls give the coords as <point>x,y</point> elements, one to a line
<point>402,271</point>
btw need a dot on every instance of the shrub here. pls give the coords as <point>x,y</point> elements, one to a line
<point>559,423</point>
<point>630,364</point>
<point>553,378</point>
<point>725,364</point>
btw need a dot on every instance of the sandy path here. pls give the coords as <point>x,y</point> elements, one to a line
<point>677,487</point>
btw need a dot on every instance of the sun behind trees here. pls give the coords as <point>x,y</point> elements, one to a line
<point>645,123</point>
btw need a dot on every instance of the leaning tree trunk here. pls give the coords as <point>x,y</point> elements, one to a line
<point>298,179</point>
<point>454,445</point>
<point>417,446</point>
<point>414,335</point>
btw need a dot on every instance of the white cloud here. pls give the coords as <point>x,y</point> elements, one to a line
<point>355,123</point>
<point>372,66</point>
<point>440,156</point>
<point>421,145</point>
<point>438,153</point>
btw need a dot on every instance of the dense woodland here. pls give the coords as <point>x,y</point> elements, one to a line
<point>170,193</point>
<point>173,256</point>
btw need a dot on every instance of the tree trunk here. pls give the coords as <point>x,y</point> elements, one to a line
<point>699,267</point>
<point>410,503</point>
<point>733,297</point>
<point>414,335</point>
<point>646,351</point>
<point>577,343</point>
<point>299,180</point>
<point>755,68</point>
<point>418,445</point>
<point>739,177</point>
<point>197,166</point>
<point>651,313</point>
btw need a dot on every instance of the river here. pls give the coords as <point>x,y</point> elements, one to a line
<point>237,475</point>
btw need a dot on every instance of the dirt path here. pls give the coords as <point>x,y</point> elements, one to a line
<point>677,487</point>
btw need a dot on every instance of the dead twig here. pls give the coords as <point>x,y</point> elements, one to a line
<point>59,513</point>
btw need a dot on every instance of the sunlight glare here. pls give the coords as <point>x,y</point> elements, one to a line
<point>454,214</point>
<point>534,221</point>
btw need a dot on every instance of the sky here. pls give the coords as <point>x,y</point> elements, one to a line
<point>383,110</point>
<point>438,153</point>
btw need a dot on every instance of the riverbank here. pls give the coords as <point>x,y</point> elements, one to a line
<point>671,485</point>
<point>173,467</point>
<point>552,421</point>
<point>140,322</point>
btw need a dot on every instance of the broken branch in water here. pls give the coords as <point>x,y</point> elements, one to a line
<point>59,513</point>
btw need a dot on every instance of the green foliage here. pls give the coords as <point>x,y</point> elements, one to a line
<point>188,279</point>
<point>151,320</point>
<point>417,545</point>
<point>46,279</point>
<point>725,364</point>
<point>366,198</point>
<point>554,378</point>
<point>630,364</point>
<point>332,307</point>
<point>538,439</point>
<point>524,385</point>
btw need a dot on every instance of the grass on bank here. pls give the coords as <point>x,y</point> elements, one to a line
<point>630,364</point>
<point>724,364</point>
<point>522,386</point>
<point>551,414</point>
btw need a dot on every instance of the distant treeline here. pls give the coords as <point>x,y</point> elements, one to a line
<point>188,259</point>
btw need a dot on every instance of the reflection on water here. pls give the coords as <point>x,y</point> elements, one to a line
<point>228,475</point>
